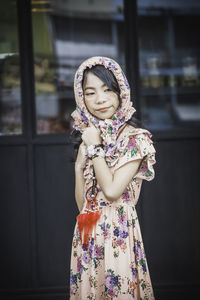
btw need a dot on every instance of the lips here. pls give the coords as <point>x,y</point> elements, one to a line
<point>104,108</point>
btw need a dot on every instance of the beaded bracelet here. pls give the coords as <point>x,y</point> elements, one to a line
<point>95,150</point>
<point>99,153</point>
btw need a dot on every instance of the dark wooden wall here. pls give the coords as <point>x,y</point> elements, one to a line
<point>170,220</point>
<point>36,232</point>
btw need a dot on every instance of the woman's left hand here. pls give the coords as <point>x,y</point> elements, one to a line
<point>91,135</point>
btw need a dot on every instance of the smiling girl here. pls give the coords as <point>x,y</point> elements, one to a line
<point>114,155</point>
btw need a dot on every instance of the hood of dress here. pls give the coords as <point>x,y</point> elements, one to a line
<point>81,115</point>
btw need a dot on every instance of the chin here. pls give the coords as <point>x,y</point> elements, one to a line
<point>105,115</point>
<point>108,116</point>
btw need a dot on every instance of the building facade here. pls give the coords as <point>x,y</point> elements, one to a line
<point>42,43</point>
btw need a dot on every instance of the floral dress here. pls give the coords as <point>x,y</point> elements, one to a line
<point>114,265</point>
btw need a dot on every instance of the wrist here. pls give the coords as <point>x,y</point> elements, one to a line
<point>96,156</point>
<point>94,143</point>
<point>95,150</point>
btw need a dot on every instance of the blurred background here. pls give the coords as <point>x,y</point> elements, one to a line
<point>42,42</point>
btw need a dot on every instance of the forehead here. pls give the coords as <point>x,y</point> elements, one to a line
<point>93,81</point>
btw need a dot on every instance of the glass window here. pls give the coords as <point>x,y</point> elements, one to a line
<point>169,47</point>
<point>10,93</point>
<point>65,33</point>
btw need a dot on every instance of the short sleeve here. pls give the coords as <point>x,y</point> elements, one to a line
<point>138,146</point>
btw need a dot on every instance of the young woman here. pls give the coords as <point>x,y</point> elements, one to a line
<point>108,259</point>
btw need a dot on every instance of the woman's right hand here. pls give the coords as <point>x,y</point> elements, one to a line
<point>81,156</point>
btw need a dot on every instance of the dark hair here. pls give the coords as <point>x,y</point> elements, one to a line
<point>109,79</point>
<point>105,75</point>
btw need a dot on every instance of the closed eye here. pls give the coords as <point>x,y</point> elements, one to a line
<point>89,94</point>
<point>107,90</point>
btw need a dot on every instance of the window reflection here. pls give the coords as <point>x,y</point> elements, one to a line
<point>169,47</point>
<point>64,34</point>
<point>10,94</point>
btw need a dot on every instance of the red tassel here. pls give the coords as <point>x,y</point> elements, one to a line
<point>86,223</point>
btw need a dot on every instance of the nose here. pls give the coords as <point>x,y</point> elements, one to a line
<point>101,98</point>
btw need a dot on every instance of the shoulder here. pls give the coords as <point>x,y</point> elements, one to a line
<point>134,139</point>
<point>130,131</point>
<point>135,144</point>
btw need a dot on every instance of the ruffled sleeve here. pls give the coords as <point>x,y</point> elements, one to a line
<point>138,146</point>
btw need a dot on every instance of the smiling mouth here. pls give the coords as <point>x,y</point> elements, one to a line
<point>104,109</point>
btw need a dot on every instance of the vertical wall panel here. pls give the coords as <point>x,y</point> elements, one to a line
<point>171,214</point>
<point>56,211</point>
<point>15,259</point>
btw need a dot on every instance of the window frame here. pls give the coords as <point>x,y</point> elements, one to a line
<point>29,134</point>
<point>133,74</point>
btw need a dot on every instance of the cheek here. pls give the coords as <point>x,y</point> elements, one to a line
<point>88,104</point>
<point>117,102</point>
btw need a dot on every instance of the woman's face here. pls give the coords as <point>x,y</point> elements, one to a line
<point>101,102</point>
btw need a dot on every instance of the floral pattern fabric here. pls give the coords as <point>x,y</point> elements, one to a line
<point>108,127</point>
<point>114,265</point>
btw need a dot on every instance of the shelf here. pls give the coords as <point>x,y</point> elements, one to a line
<point>168,91</point>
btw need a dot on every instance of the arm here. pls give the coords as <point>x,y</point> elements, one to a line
<point>113,185</point>
<point>79,187</point>
<point>79,179</point>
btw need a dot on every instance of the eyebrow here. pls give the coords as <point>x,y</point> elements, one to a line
<point>90,87</point>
